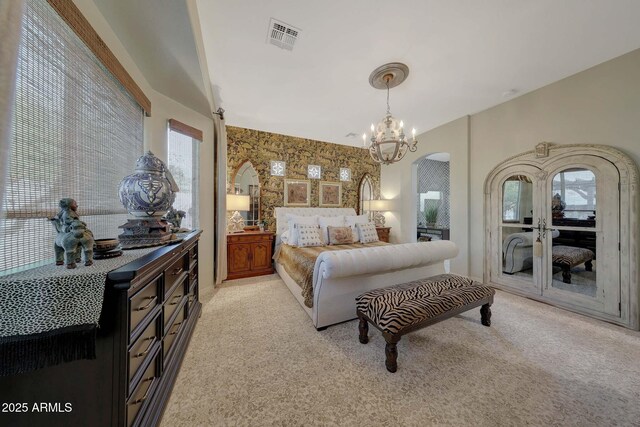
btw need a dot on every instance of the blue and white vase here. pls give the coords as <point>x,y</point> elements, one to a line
<point>150,191</point>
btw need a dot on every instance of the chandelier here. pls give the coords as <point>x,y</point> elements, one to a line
<point>388,143</point>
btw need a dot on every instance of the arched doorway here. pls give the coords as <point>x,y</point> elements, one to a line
<point>432,205</point>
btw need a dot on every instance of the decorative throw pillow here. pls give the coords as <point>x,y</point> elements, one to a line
<point>326,221</point>
<point>368,233</point>
<point>284,237</point>
<point>308,235</point>
<point>352,220</point>
<point>292,220</point>
<point>340,235</point>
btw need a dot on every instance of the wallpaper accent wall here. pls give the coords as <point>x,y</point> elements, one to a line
<point>261,147</point>
<point>433,175</point>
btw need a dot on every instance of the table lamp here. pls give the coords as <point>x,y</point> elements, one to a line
<point>379,206</point>
<point>236,203</point>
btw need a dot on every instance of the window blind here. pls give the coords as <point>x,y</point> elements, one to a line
<point>183,155</point>
<point>76,133</point>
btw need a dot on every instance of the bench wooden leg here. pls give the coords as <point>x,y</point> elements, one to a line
<point>363,327</point>
<point>391,351</point>
<point>566,274</point>
<point>485,315</point>
<point>588,265</point>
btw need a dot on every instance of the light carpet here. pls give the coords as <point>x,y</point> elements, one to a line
<point>255,359</point>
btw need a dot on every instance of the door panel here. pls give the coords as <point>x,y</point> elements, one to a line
<point>238,258</point>
<point>513,202</point>
<point>582,257</point>
<point>260,256</point>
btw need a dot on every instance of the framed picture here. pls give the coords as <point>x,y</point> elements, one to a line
<point>330,194</point>
<point>297,192</point>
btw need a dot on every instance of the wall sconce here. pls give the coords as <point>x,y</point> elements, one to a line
<point>278,167</point>
<point>236,203</point>
<point>345,174</point>
<point>378,206</point>
<point>314,171</point>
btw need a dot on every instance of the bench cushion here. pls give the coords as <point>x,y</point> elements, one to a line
<point>570,255</point>
<point>398,307</point>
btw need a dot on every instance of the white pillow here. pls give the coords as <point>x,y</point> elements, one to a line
<point>352,220</point>
<point>368,233</point>
<point>326,221</point>
<point>292,220</point>
<point>284,237</point>
<point>308,235</point>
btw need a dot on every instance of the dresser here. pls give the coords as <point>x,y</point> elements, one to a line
<point>249,254</point>
<point>383,233</point>
<point>150,309</point>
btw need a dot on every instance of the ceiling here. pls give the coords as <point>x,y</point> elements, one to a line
<point>464,56</point>
<point>158,36</point>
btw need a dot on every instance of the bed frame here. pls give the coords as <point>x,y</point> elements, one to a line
<point>334,297</point>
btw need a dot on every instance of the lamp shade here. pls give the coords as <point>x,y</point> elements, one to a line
<point>378,205</point>
<point>237,202</point>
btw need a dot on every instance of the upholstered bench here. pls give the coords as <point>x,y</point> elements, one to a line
<point>567,257</point>
<point>400,309</point>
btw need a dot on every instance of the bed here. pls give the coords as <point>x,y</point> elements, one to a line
<point>339,276</point>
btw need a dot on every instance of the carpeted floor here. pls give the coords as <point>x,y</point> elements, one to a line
<point>255,359</point>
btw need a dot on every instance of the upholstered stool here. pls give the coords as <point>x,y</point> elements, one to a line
<point>400,309</point>
<point>567,257</point>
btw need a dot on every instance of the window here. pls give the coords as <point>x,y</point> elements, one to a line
<point>511,201</point>
<point>76,133</point>
<point>183,155</point>
<point>517,199</point>
<point>576,191</point>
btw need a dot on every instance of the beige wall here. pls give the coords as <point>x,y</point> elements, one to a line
<point>598,106</point>
<point>155,128</point>
<point>398,182</point>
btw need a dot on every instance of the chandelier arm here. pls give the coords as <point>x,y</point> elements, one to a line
<point>395,157</point>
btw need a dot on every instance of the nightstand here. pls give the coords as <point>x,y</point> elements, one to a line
<point>383,233</point>
<point>249,254</point>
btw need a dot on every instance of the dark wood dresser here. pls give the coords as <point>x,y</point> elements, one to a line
<point>249,254</point>
<point>150,310</point>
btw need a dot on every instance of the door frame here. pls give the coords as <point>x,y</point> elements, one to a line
<point>541,157</point>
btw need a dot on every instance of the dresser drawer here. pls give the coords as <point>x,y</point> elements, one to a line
<point>142,303</point>
<point>249,238</point>
<point>175,272</point>
<point>143,393</point>
<point>193,273</point>
<point>142,348</point>
<point>174,299</point>
<point>192,296</point>
<point>172,332</point>
<point>193,256</point>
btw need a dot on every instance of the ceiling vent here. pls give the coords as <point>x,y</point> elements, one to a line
<point>282,35</point>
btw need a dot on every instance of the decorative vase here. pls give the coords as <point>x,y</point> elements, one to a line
<point>150,190</point>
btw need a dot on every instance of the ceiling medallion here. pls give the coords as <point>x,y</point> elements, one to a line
<point>388,143</point>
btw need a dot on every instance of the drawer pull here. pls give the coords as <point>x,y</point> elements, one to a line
<point>177,330</point>
<point>144,307</point>
<point>143,398</point>
<point>177,297</point>
<point>176,271</point>
<point>148,348</point>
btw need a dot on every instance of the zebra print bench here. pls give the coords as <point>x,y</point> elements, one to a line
<point>400,309</point>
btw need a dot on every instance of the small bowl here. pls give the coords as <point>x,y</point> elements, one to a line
<point>105,245</point>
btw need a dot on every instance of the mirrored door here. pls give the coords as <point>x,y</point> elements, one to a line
<point>515,201</point>
<point>582,234</point>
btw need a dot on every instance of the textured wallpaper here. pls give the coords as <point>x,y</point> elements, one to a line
<point>434,176</point>
<point>262,147</point>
